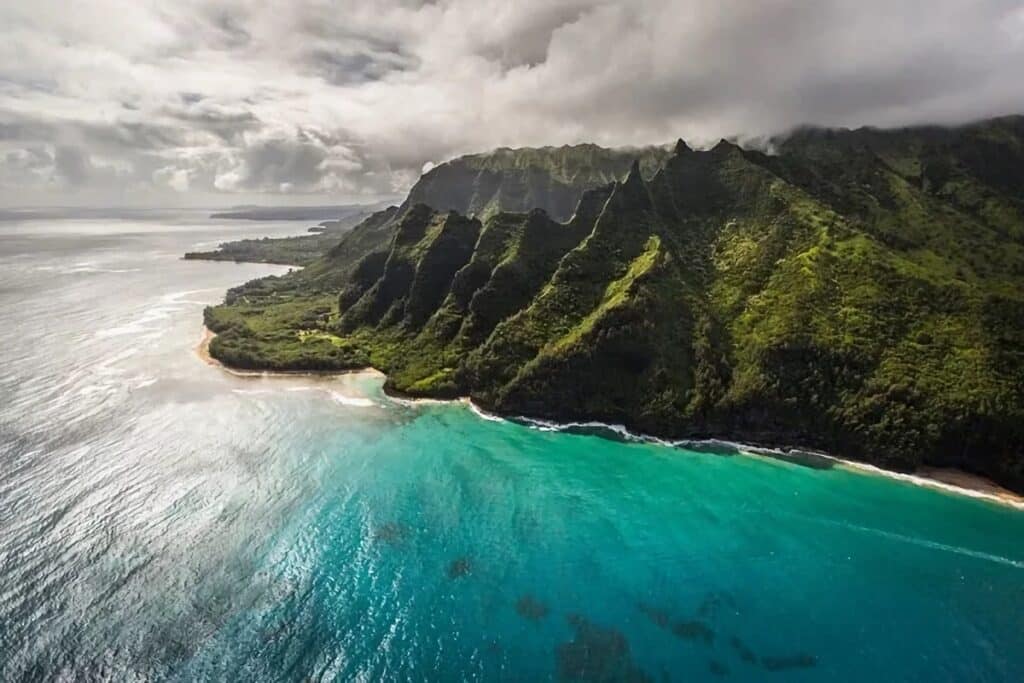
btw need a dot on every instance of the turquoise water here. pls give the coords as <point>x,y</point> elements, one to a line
<point>167,521</point>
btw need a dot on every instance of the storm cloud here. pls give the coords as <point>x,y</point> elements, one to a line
<point>220,101</point>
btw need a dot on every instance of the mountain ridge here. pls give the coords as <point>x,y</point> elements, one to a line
<point>503,179</point>
<point>858,296</point>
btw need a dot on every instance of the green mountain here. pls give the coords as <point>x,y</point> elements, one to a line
<point>860,292</point>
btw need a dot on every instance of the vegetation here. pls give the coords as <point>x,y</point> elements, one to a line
<point>860,291</point>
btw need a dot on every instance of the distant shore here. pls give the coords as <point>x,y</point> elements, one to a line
<point>949,480</point>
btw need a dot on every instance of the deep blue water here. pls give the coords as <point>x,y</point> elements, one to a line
<point>163,520</point>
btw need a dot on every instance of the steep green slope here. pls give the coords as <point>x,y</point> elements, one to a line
<point>549,179</point>
<point>842,294</point>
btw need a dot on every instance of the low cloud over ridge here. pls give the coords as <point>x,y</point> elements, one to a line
<point>219,101</point>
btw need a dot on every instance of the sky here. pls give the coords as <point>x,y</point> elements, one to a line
<point>222,102</point>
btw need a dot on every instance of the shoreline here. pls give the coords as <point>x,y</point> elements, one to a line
<point>948,480</point>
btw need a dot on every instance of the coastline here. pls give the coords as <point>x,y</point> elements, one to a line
<point>948,480</point>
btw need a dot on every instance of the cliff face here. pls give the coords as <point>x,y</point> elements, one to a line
<point>860,292</point>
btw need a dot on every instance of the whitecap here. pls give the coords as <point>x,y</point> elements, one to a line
<point>353,401</point>
<point>177,297</point>
<point>141,324</point>
<point>84,268</point>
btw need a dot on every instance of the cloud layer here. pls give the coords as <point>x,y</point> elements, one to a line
<point>219,101</point>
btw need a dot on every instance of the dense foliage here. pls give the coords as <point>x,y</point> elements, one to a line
<point>857,291</point>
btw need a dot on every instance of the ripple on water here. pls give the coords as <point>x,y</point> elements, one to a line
<point>164,520</point>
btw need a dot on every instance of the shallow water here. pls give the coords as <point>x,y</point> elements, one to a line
<point>163,520</point>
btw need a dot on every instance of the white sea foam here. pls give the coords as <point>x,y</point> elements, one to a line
<point>353,401</point>
<point>143,324</point>
<point>83,268</point>
<point>483,414</point>
<point>178,297</point>
<point>617,429</point>
<point>251,392</point>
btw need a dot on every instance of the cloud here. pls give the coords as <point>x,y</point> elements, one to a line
<point>201,115</point>
<point>270,165</point>
<point>225,100</point>
<point>23,167</point>
<point>176,178</point>
<point>72,165</point>
<point>352,61</point>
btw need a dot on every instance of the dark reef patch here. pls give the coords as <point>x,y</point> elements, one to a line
<point>717,668</point>
<point>658,616</point>
<point>797,661</point>
<point>714,603</point>
<point>693,630</point>
<point>744,652</point>
<point>597,654</point>
<point>686,629</point>
<point>531,608</point>
<point>459,567</point>
<point>391,533</point>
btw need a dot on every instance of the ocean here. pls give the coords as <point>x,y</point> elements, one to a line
<point>163,520</point>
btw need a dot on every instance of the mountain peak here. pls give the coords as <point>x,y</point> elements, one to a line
<point>725,147</point>
<point>681,147</point>
<point>633,190</point>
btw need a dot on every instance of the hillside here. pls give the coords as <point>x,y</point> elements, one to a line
<point>860,292</point>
